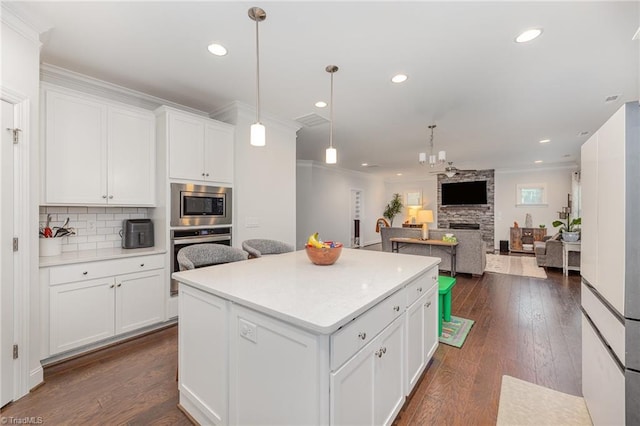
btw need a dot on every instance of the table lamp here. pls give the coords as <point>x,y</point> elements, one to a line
<point>424,217</point>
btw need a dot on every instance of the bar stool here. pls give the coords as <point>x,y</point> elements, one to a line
<point>445,284</point>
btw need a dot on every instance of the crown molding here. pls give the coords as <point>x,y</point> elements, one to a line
<point>11,16</point>
<point>73,80</point>
<point>568,167</point>
<point>319,165</point>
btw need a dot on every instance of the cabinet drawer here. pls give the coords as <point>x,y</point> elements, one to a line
<point>420,285</point>
<point>359,332</point>
<point>91,270</point>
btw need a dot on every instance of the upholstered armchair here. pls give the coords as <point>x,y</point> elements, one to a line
<point>549,253</point>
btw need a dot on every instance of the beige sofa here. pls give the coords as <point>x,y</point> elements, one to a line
<point>471,257</point>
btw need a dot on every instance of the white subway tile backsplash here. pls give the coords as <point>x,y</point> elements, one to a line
<point>77,210</point>
<point>107,224</point>
<point>87,246</point>
<point>53,210</point>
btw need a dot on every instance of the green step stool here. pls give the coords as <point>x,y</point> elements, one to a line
<point>445,284</point>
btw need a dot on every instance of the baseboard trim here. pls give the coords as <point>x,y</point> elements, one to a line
<point>36,378</point>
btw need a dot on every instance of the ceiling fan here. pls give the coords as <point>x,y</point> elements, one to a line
<point>450,170</point>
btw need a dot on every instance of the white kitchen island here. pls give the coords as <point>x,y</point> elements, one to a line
<point>279,340</point>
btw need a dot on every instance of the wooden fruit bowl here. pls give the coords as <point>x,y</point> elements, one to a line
<point>325,255</point>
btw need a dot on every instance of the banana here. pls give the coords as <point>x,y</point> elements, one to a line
<point>314,241</point>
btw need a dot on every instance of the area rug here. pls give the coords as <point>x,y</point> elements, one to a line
<point>525,266</point>
<point>524,403</point>
<point>455,332</point>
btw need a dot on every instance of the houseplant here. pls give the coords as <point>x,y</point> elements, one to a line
<point>570,230</point>
<point>393,208</point>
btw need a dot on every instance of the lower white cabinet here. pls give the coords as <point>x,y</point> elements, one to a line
<point>422,335</point>
<point>118,301</point>
<point>369,388</point>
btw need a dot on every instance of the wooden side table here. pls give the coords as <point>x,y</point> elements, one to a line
<point>566,248</point>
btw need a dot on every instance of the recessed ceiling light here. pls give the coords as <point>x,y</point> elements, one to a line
<point>364,164</point>
<point>545,141</point>
<point>528,35</point>
<point>321,104</point>
<point>398,174</point>
<point>538,161</point>
<point>611,98</point>
<point>583,133</point>
<point>400,78</point>
<point>217,49</point>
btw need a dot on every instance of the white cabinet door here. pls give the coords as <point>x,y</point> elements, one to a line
<point>611,210</point>
<point>203,358</point>
<point>186,146</point>
<point>80,313</point>
<point>416,344</point>
<point>218,153</point>
<point>431,337</point>
<point>131,157</point>
<point>75,152</point>
<point>589,194</point>
<point>369,388</point>
<point>139,300</point>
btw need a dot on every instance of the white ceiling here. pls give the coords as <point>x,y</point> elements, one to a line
<point>491,99</point>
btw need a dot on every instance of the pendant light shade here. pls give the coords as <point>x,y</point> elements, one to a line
<point>258,131</point>
<point>331,154</point>
<point>258,134</point>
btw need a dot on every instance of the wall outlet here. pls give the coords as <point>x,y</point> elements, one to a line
<point>91,225</point>
<point>248,330</point>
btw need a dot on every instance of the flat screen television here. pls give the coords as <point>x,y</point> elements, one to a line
<point>464,193</point>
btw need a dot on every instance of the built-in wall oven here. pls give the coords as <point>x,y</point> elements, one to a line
<point>200,205</point>
<point>186,237</point>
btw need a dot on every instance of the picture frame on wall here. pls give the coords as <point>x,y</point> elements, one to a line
<point>413,199</point>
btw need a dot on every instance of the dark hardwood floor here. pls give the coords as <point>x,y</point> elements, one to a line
<point>524,327</point>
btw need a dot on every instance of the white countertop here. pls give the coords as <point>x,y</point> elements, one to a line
<point>93,255</point>
<point>320,299</point>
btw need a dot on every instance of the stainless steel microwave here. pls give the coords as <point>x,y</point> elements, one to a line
<point>196,205</point>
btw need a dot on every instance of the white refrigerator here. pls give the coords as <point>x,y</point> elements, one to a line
<point>610,269</point>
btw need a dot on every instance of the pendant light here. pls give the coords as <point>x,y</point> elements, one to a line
<point>442,155</point>
<point>332,154</point>
<point>258,133</point>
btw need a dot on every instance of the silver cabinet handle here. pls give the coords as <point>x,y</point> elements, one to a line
<point>420,289</point>
<point>362,335</point>
<point>104,196</point>
<point>381,352</point>
<point>434,278</point>
<point>207,175</point>
<point>85,273</point>
<point>119,284</point>
<point>202,173</point>
<point>111,286</point>
<point>428,304</point>
<point>396,308</point>
<point>111,197</point>
<point>142,265</point>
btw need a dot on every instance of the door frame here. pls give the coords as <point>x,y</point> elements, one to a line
<point>22,230</point>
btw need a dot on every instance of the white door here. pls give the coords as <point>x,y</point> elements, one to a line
<point>186,146</point>
<point>218,154</point>
<point>6,254</point>
<point>388,385</point>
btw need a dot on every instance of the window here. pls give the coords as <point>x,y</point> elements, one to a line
<point>531,194</point>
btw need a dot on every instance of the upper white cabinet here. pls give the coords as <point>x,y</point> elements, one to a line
<point>96,151</point>
<point>200,149</point>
